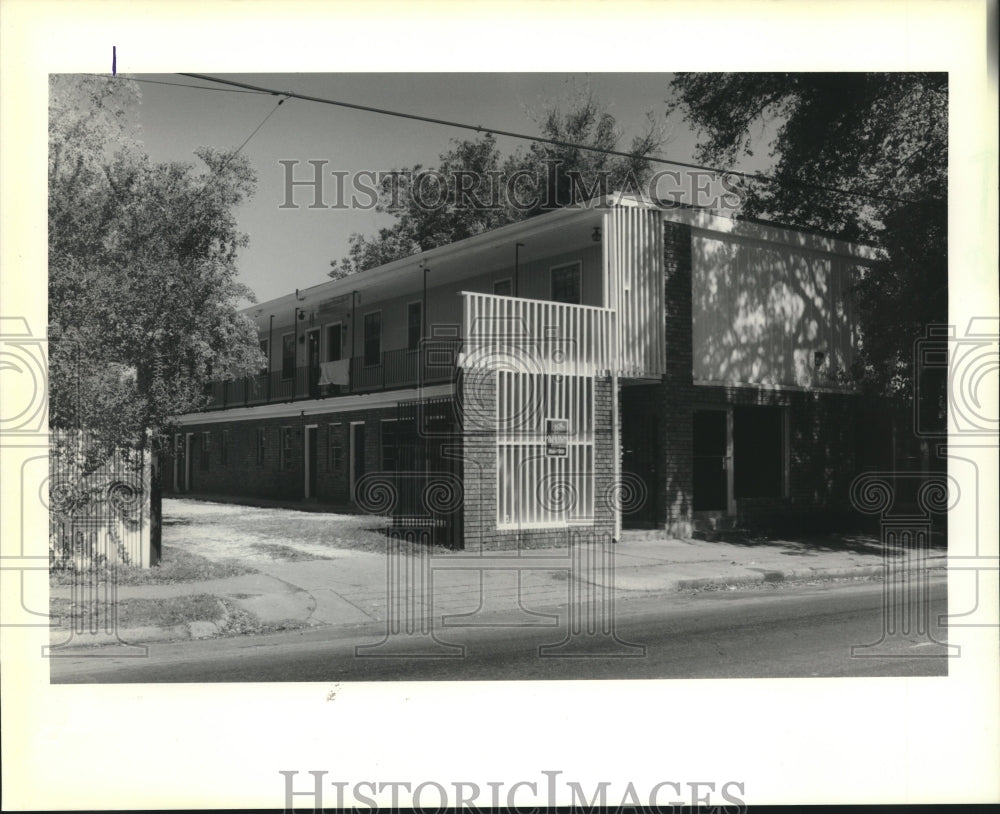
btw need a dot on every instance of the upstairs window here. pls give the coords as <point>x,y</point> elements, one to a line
<point>414,325</point>
<point>566,284</point>
<point>373,338</point>
<point>334,347</point>
<point>288,356</point>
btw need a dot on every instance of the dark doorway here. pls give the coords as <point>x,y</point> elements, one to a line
<point>357,457</point>
<point>710,460</point>
<point>641,456</point>
<point>182,442</point>
<point>312,357</point>
<point>758,451</point>
<point>311,462</point>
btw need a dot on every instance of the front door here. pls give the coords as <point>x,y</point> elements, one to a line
<point>711,461</point>
<point>641,455</point>
<point>312,359</point>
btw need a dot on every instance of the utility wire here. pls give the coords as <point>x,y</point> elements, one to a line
<point>237,151</point>
<point>254,133</point>
<point>186,85</point>
<point>543,140</point>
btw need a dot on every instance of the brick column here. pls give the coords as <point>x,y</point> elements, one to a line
<point>678,386</point>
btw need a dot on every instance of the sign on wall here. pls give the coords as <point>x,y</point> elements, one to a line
<point>556,437</point>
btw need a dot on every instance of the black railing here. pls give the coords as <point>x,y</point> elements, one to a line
<point>433,363</point>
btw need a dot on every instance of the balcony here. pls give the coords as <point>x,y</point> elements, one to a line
<point>433,363</point>
<point>537,336</point>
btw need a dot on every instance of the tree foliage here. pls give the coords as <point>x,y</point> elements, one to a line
<point>475,187</point>
<point>143,292</point>
<point>882,136</point>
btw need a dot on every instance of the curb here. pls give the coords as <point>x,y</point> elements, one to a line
<point>783,576</point>
<point>185,631</point>
<point>773,575</point>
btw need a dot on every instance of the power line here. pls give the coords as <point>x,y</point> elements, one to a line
<point>543,140</point>
<point>263,122</point>
<point>237,151</point>
<point>186,85</point>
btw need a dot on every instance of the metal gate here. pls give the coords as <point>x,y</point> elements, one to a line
<point>428,477</point>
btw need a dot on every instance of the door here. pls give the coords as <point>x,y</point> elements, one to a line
<point>711,461</point>
<point>641,454</point>
<point>186,463</point>
<point>312,454</point>
<point>357,455</point>
<point>312,360</point>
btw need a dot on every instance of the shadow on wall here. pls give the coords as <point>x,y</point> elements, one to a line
<point>762,313</point>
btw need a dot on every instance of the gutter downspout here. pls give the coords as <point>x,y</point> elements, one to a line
<point>423,331</point>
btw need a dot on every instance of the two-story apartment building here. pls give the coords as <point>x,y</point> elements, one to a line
<point>619,363</point>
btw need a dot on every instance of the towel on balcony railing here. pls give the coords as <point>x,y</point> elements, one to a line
<point>335,372</point>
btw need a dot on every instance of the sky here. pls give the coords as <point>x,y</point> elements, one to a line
<point>292,247</point>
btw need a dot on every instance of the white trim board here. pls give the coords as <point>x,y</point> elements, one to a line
<point>340,404</point>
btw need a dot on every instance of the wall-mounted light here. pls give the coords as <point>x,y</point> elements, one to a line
<point>818,358</point>
<point>596,234</point>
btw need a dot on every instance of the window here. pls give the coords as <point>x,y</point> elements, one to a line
<point>334,348</point>
<point>224,449</point>
<point>389,446</point>
<point>206,445</point>
<point>287,445</point>
<point>414,325</point>
<point>261,440</point>
<point>503,288</point>
<point>566,285</point>
<point>373,338</point>
<point>288,356</point>
<point>335,450</point>
<point>264,348</point>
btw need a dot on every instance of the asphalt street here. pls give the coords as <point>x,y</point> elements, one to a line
<point>792,631</point>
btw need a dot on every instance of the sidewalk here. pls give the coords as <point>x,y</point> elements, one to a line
<point>463,589</point>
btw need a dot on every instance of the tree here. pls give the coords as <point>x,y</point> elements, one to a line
<point>476,188</point>
<point>143,292</point>
<point>881,136</point>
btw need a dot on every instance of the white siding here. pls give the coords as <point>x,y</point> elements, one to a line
<point>633,287</point>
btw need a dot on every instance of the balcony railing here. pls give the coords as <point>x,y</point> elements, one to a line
<point>433,363</point>
<point>537,336</point>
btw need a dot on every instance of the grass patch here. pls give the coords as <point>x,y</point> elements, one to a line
<point>241,622</point>
<point>128,613</point>
<point>176,565</point>
<point>283,552</point>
